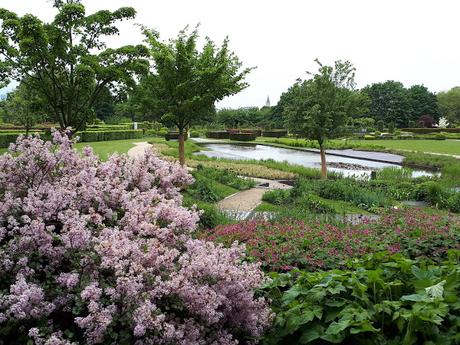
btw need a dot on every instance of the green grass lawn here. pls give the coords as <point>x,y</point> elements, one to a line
<point>105,148</point>
<point>451,147</point>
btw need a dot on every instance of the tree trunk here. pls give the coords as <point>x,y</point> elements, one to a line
<point>323,163</point>
<point>181,147</point>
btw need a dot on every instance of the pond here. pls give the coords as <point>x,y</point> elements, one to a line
<point>345,165</point>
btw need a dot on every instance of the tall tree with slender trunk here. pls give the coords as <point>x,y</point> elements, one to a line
<point>191,80</point>
<point>318,108</point>
<point>66,61</point>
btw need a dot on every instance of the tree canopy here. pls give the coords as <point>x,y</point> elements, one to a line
<point>190,80</point>
<point>391,102</point>
<point>319,107</point>
<point>67,61</point>
<point>449,103</point>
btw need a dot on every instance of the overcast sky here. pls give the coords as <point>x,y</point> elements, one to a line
<point>412,41</point>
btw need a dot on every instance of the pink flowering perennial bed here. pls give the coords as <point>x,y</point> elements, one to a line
<point>102,253</point>
<point>281,246</point>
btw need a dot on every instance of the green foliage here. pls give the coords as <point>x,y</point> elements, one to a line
<point>395,105</point>
<point>432,193</point>
<point>325,241</point>
<point>7,138</point>
<point>66,61</point>
<point>277,133</point>
<point>379,300</point>
<point>449,102</point>
<point>277,196</point>
<point>454,202</point>
<point>244,117</point>
<point>217,134</point>
<point>393,173</point>
<point>189,81</point>
<point>226,177</point>
<point>86,136</point>
<point>348,190</point>
<point>320,106</point>
<point>242,136</point>
<point>314,204</point>
<point>24,107</point>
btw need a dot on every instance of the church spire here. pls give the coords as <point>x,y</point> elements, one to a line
<point>267,102</point>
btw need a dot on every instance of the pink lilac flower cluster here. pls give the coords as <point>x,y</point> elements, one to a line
<point>102,253</point>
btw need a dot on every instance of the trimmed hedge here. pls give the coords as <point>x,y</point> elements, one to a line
<point>431,130</point>
<point>7,138</point>
<point>173,136</point>
<point>242,136</point>
<point>217,134</point>
<point>256,132</point>
<point>275,133</point>
<point>87,136</point>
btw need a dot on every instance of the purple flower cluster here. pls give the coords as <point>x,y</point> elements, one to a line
<point>102,253</point>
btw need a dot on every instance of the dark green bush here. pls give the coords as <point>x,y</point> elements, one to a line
<point>433,193</point>
<point>242,136</point>
<point>217,134</point>
<point>431,130</point>
<point>440,136</point>
<point>275,133</point>
<point>194,134</point>
<point>174,136</point>
<point>202,191</point>
<point>7,138</point>
<point>454,203</point>
<point>88,136</point>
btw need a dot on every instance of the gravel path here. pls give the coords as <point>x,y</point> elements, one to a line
<point>139,149</point>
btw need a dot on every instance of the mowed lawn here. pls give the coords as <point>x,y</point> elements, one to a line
<point>451,147</point>
<point>105,148</point>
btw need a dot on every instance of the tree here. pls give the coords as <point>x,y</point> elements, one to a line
<point>190,80</point>
<point>426,121</point>
<point>320,106</point>
<point>423,102</point>
<point>389,103</point>
<point>66,60</point>
<point>24,107</point>
<point>449,103</point>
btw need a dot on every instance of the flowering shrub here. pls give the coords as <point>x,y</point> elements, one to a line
<point>292,243</point>
<point>101,253</point>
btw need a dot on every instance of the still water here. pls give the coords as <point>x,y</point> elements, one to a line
<point>353,166</point>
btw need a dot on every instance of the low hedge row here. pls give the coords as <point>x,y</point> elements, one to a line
<point>431,130</point>
<point>7,138</point>
<point>173,136</point>
<point>86,136</point>
<point>217,134</point>
<point>275,133</point>
<point>242,136</point>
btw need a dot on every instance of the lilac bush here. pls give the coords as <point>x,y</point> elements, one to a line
<point>102,253</point>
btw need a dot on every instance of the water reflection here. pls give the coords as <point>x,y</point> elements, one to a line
<point>308,159</point>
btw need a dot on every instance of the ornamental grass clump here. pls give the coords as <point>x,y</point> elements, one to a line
<point>102,253</point>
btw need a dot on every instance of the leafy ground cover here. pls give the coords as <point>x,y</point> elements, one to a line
<point>380,299</point>
<point>290,243</point>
